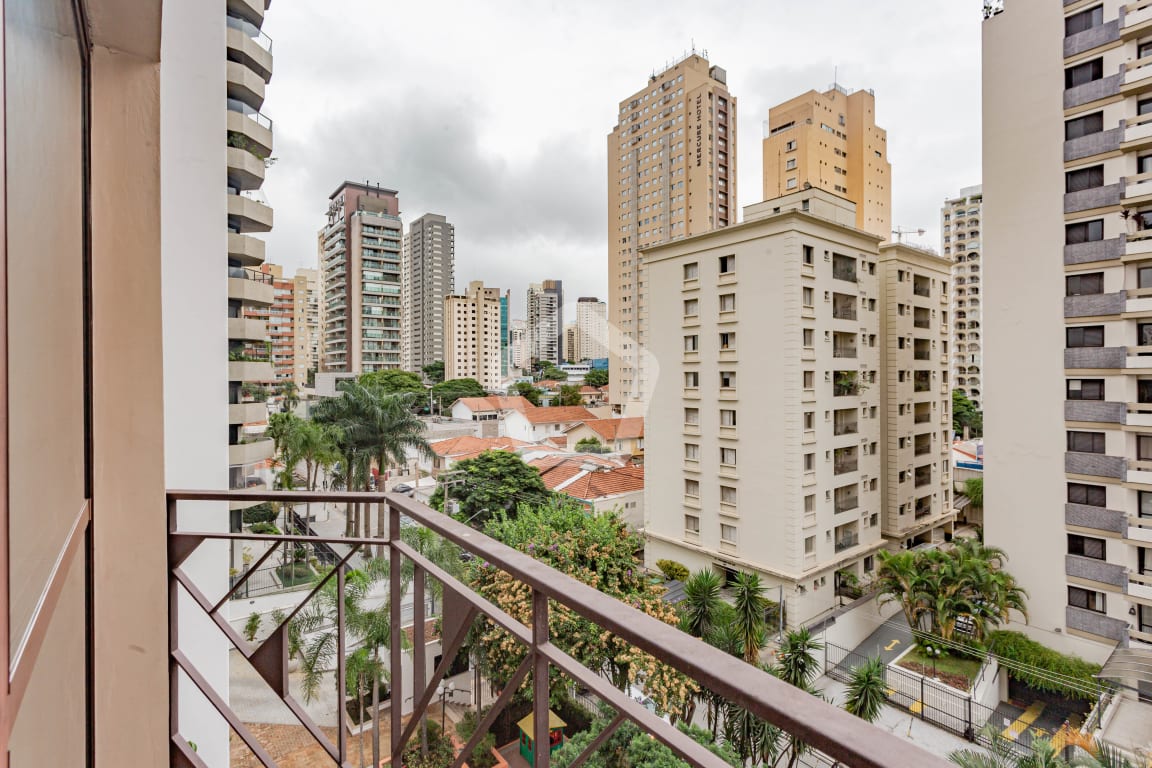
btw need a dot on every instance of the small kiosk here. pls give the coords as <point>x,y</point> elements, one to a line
<point>555,735</point>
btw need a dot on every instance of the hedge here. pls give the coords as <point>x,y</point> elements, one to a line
<point>1028,660</point>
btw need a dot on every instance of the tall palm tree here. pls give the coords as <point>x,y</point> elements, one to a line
<point>1001,754</point>
<point>868,690</point>
<point>701,609</point>
<point>796,662</point>
<point>900,579</point>
<point>750,605</point>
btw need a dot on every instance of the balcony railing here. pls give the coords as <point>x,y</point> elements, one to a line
<point>847,541</point>
<point>833,731</point>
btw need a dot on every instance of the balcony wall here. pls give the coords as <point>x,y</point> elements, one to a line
<point>1098,250</point>
<point>250,453</point>
<point>244,84</point>
<point>258,135</point>
<point>1095,357</point>
<point>1096,518</point>
<point>249,251</point>
<point>245,170</point>
<point>1095,304</point>
<point>1095,623</point>
<point>1096,197</point>
<point>250,53</point>
<point>249,215</point>
<point>1093,410</point>
<point>1089,92</point>
<point>247,413</point>
<point>252,10</point>
<point>1095,464</point>
<point>1092,38</point>
<point>250,292</point>
<point>1095,570</point>
<point>244,370</point>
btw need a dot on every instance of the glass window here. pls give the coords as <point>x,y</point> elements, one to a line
<point>691,343</point>
<point>691,307</point>
<point>691,452</point>
<point>1144,106</point>
<point>1084,178</point>
<point>1084,126</point>
<point>1085,336</point>
<point>1086,442</point>
<point>727,302</point>
<point>727,264</point>
<point>1090,495</point>
<point>1084,285</point>
<point>728,533</point>
<point>691,379</point>
<point>727,418</point>
<point>1084,20</point>
<point>691,415</point>
<point>727,494</point>
<point>1084,232</point>
<point>1086,598</point>
<point>691,271</point>
<point>691,524</point>
<point>1087,546</point>
<point>692,488</point>
<point>1085,389</point>
<point>728,456</point>
<point>1084,73</point>
<point>1145,504</point>
<point>1144,447</point>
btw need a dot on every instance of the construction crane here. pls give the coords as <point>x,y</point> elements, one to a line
<point>900,232</point>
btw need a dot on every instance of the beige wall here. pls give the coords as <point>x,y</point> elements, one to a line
<point>472,336</point>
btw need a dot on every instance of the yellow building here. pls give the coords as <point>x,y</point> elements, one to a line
<point>830,141</point>
<point>671,174</point>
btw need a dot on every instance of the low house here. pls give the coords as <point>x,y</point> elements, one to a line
<point>601,483</point>
<point>591,395</point>
<point>487,408</point>
<point>448,452</point>
<point>624,435</point>
<point>536,425</point>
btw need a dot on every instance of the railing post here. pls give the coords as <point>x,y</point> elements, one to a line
<point>540,698</point>
<point>418,643</point>
<point>173,635</point>
<point>341,687</point>
<point>923,701</point>
<point>396,667</point>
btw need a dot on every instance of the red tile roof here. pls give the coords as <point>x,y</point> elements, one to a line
<point>617,429</point>
<point>496,403</point>
<point>467,447</point>
<point>586,390</point>
<point>558,413</point>
<point>557,469</point>
<point>597,485</point>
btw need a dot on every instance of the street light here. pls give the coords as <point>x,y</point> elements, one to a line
<point>444,690</point>
<point>934,652</point>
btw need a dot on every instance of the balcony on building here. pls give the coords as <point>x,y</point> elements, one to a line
<point>923,507</point>
<point>843,268</point>
<point>922,349</point>
<point>844,422</point>
<point>921,286</point>
<point>922,413</point>
<point>250,286</point>
<point>923,476</point>
<point>921,316</point>
<point>247,213</point>
<point>846,536</point>
<point>843,306</point>
<point>844,345</point>
<point>923,444</point>
<point>845,460</point>
<point>846,499</point>
<point>249,46</point>
<point>245,250</point>
<point>921,381</point>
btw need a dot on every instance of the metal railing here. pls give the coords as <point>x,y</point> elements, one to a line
<point>819,724</point>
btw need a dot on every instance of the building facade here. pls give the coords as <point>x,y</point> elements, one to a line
<point>1068,386</point>
<point>671,174</point>
<point>960,242</point>
<point>472,348</point>
<point>360,274</point>
<point>306,325</point>
<point>591,329</point>
<point>505,335</point>
<point>830,141</point>
<point>518,354</point>
<point>427,265</point>
<point>544,330</point>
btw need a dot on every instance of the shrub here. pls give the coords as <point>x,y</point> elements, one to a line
<point>252,626</point>
<point>266,528</point>
<point>261,513</point>
<point>672,570</point>
<point>482,756</point>
<point>1071,675</point>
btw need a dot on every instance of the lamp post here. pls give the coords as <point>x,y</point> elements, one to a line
<point>444,690</point>
<point>933,653</point>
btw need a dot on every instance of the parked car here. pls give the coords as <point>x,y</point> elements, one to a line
<point>403,488</point>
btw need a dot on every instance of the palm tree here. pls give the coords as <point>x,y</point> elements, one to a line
<point>796,662</point>
<point>1001,754</point>
<point>900,579</point>
<point>315,446</point>
<point>290,396</point>
<point>361,671</point>
<point>701,607</point>
<point>750,605</point>
<point>868,690</point>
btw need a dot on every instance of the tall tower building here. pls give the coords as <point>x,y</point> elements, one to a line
<point>1067,390</point>
<point>830,141</point>
<point>505,335</point>
<point>544,332</point>
<point>518,354</point>
<point>305,324</point>
<point>279,321</point>
<point>960,243</point>
<point>427,263</point>
<point>671,174</point>
<point>592,329</point>
<point>556,288</point>
<point>472,348</point>
<point>360,274</point>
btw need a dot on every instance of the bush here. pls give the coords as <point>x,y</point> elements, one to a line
<point>1028,654</point>
<point>266,528</point>
<point>482,756</point>
<point>261,513</point>
<point>672,570</point>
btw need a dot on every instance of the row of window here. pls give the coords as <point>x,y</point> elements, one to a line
<point>727,417</point>
<point>725,264</point>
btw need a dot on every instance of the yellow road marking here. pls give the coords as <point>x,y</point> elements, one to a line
<point>916,707</point>
<point>892,645</point>
<point>1026,719</point>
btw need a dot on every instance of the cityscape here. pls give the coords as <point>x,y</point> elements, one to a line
<point>592,397</point>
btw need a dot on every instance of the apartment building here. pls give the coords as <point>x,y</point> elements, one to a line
<point>830,141</point>
<point>916,412</point>
<point>518,353</point>
<point>277,319</point>
<point>739,415</point>
<point>427,264</point>
<point>505,335</point>
<point>306,324</point>
<point>960,242</point>
<point>360,277</point>
<point>571,341</point>
<point>591,329</point>
<point>1068,404</point>
<point>671,174</point>
<point>545,325</point>
<point>472,348</point>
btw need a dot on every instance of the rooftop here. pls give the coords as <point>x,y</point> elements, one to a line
<point>626,428</point>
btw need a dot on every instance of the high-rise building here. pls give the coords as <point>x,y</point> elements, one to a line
<point>1068,405</point>
<point>592,329</point>
<point>472,348</point>
<point>671,174</point>
<point>571,342</point>
<point>855,359</point>
<point>360,274</point>
<point>277,320</point>
<point>505,335</point>
<point>960,243</point>
<point>545,332</point>
<point>518,354</point>
<point>427,265</point>
<point>830,141</point>
<point>306,325</point>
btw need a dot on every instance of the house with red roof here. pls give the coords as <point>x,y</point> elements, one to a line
<point>624,435</point>
<point>537,425</point>
<point>454,449</point>
<point>597,481</point>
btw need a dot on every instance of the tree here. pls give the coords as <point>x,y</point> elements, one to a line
<point>966,414</point>
<point>630,746</point>
<point>434,371</point>
<point>526,391</point>
<point>591,445</point>
<point>493,481</point>
<point>974,490</point>
<point>700,610</point>
<point>570,395</point>
<point>448,392</point>
<point>394,382</point>
<point>551,373</point>
<point>868,690</point>
<point>750,605</point>
<point>289,396</point>
<point>597,377</point>
<point>1001,753</point>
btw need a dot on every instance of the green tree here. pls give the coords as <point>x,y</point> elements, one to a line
<point>1002,754</point>
<point>549,372</point>
<point>966,414</point>
<point>526,391</point>
<point>289,394</point>
<point>493,481</point>
<point>434,371</point>
<point>597,377</point>
<point>570,395</point>
<point>447,392</point>
<point>700,611</point>
<point>750,605</point>
<point>974,490</point>
<point>590,445</point>
<point>630,746</point>
<point>394,382</point>
<point>868,690</point>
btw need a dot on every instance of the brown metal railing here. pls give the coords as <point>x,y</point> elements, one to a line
<point>817,723</point>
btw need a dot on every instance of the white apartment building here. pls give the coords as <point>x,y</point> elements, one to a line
<point>591,329</point>
<point>1068,307</point>
<point>306,324</point>
<point>960,243</point>
<point>544,329</point>
<point>472,336</point>
<point>427,268</point>
<point>518,343</point>
<point>764,430</point>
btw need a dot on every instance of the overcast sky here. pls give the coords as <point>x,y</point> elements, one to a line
<point>496,113</point>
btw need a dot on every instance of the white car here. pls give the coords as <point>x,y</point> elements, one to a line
<point>637,693</point>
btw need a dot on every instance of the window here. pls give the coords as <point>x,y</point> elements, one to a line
<point>1084,73</point>
<point>691,524</point>
<point>691,451</point>
<point>727,494</point>
<point>1144,164</point>
<point>1084,126</point>
<point>1086,546</point>
<point>1144,447</point>
<point>809,462</point>
<point>691,343</point>
<point>691,271</point>
<point>1087,599</point>
<point>1144,508</point>
<point>809,336</point>
<point>728,264</point>
<point>1144,106</point>
<point>728,340</point>
<point>810,504</point>
<point>843,267</point>
<point>1084,20</point>
<point>810,545</point>
<point>728,456</point>
<point>791,164</point>
<point>1144,277</point>
<point>691,415</point>
<point>809,296</point>
<point>727,418</point>
<point>691,379</point>
<point>790,145</point>
<point>809,420</point>
<point>1084,285</point>
<point>1084,178</point>
<point>1085,336</point>
<point>1085,389</point>
<point>1086,442</point>
<point>691,307</point>
<point>727,379</point>
<point>728,533</point>
<point>809,379</point>
<point>1084,232</point>
<point>727,302</point>
<point>692,488</point>
<point>869,563</point>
